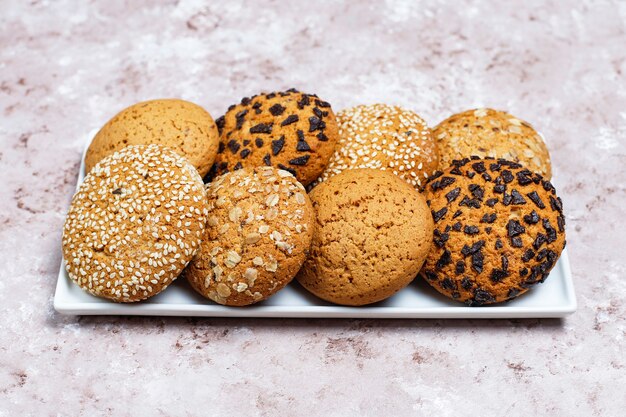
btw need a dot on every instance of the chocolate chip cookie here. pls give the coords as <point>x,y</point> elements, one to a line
<point>290,130</point>
<point>499,230</point>
<point>493,133</point>
<point>258,234</point>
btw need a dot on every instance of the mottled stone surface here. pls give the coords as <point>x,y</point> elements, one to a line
<point>66,67</point>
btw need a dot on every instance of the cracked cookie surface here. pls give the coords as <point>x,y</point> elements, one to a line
<point>499,230</point>
<point>373,233</point>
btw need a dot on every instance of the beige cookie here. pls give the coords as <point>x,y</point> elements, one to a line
<point>387,137</point>
<point>373,233</point>
<point>290,130</point>
<point>134,223</point>
<point>499,230</point>
<point>258,235</point>
<point>180,125</point>
<point>493,133</point>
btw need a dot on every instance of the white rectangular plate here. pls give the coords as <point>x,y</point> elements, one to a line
<point>554,298</point>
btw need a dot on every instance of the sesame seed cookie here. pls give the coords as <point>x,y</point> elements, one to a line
<point>373,233</point>
<point>258,235</point>
<point>290,130</point>
<point>499,230</point>
<point>497,134</point>
<point>380,136</point>
<point>180,125</point>
<point>134,223</point>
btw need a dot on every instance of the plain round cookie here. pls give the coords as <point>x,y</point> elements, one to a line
<point>134,223</point>
<point>381,136</point>
<point>499,230</point>
<point>373,233</point>
<point>258,235</point>
<point>290,130</point>
<point>180,125</point>
<point>491,133</point>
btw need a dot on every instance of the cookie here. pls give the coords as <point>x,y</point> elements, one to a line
<point>134,223</point>
<point>290,130</point>
<point>380,136</point>
<point>493,133</point>
<point>180,125</point>
<point>372,234</point>
<point>258,235</point>
<point>499,230</point>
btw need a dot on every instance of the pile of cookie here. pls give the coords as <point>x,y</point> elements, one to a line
<point>354,206</point>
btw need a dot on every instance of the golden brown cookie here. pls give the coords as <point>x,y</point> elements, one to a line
<point>180,125</point>
<point>289,130</point>
<point>258,234</point>
<point>499,230</point>
<point>373,233</point>
<point>134,223</point>
<point>380,136</point>
<point>493,133</point>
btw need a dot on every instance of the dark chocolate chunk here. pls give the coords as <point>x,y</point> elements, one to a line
<point>457,227</point>
<point>245,101</point>
<point>516,242</point>
<point>507,199</point>
<point>457,214</point>
<point>477,191</point>
<point>304,101</point>
<point>321,103</point>
<point>547,185</point>
<point>505,262</point>
<point>270,95</point>
<point>453,194</point>
<point>550,231</point>
<point>498,275</point>
<point>560,221</point>
<point>244,154</point>
<point>302,146</point>
<point>261,128</point>
<point>469,250</point>
<point>513,292</point>
<point>499,244</point>
<point>524,177</point>
<point>315,123</point>
<point>223,166</point>
<point>257,107</point>
<point>514,228</point>
<point>488,218</point>
<point>234,146</point>
<point>481,297</point>
<point>258,142</point>
<point>479,167</point>
<point>292,90</point>
<point>499,189</point>
<point>438,215</point>
<point>466,283</point>
<point>267,160</point>
<point>290,170</point>
<point>301,160</point>
<point>495,166</point>
<point>471,230</point>
<point>486,176</point>
<point>246,142</point>
<point>507,176</point>
<point>470,202</point>
<point>321,136</point>
<point>518,199</point>
<point>556,204</point>
<point>540,240</point>
<point>448,284</point>
<point>237,166</point>
<point>460,267</point>
<point>532,218</point>
<point>318,112</point>
<point>523,272</point>
<point>221,147</point>
<point>117,191</point>
<point>440,239</point>
<point>292,118</point>
<point>491,202</point>
<point>477,262</point>
<point>528,255</point>
<point>300,134</point>
<point>240,118</point>
<point>277,109</point>
<point>444,260</point>
<point>220,124</point>
<point>430,275</point>
<point>456,171</point>
<point>488,230</point>
<point>445,181</point>
<point>534,197</point>
<point>277,145</point>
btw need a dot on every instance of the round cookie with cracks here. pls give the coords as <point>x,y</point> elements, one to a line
<point>380,136</point>
<point>290,130</point>
<point>179,125</point>
<point>499,230</point>
<point>372,235</point>
<point>491,133</point>
<point>134,223</point>
<point>258,234</point>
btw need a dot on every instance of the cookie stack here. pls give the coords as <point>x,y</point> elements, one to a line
<point>466,205</point>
